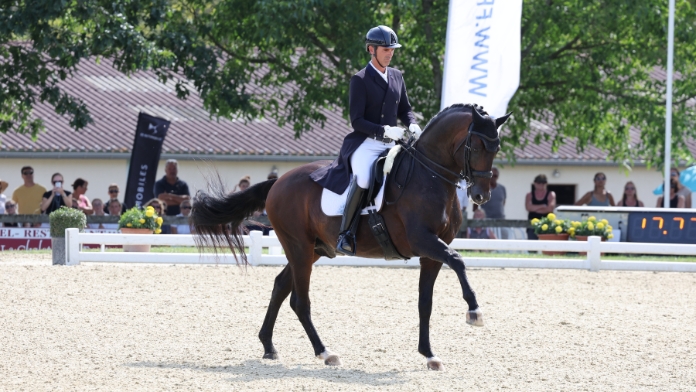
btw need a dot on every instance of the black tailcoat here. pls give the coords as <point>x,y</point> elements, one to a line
<point>373,104</point>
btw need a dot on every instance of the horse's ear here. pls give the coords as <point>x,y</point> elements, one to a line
<point>501,120</point>
<point>478,118</point>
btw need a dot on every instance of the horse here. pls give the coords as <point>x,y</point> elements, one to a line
<point>422,216</point>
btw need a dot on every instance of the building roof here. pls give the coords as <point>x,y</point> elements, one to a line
<point>115,100</point>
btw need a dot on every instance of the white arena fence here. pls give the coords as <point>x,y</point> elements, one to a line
<point>256,242</point>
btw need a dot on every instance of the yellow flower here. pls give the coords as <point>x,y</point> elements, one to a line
<point>610,236</point>
<point>590,226</point>
<point>544,227</point>
<point>609,228</point>
<point>141,221</point>
<point>129,224</point>
<point>557,222</point>
<point>535,221</point>
<point>559,229</point>
<point>159,220</point>
<point>149,213</point>
<point>157,231</point>
<point>606,222</point>
<point>551,216</point>
<point>571,231</point>
<point>150,208</point>
<point>592,219</point>
<point>600,225</point>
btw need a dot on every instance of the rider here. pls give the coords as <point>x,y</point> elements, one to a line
<point>377,98</point>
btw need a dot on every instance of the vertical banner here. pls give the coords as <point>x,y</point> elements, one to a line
<point>482,53</point>
<point>147,147</point>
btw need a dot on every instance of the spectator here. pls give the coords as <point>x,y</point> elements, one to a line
<point>10,207</point>
<point>495,207</point>
<point>3,198</point>
<point>98,208</point>
<point>480,232</point>
<point>273,175</point>
<point>79,190</point>
<point>599,196</point>
<point>539,202</point>
<point>28,196</point>
<point>682,190</point>
<point>56,197</point>
<point>463,197</point>
<point>170,189</point>
<point>115,208</point>
<point>630,196</point>
<point>113,194</point>
<point>675,199</point>
<point>243,184</point>
<point>159,206</point>
<point>185,207</point>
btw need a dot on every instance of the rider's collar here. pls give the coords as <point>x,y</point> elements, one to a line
<point>383,75</point>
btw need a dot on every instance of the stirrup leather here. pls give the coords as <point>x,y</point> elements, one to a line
<point>351,217</point>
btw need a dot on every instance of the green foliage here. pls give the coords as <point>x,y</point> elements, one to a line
<point>66,218</point>
<point>550,225</point>
<point>591,226</point>
<point>136,218</point>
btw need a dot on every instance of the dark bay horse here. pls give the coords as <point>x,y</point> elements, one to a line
<point>422,222</point>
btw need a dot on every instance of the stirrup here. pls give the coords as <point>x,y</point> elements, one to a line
<point>346,243</point>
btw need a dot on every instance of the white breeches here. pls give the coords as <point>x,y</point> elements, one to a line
<point>362,159</point>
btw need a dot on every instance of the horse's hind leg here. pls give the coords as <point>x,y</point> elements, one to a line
<point>281,290</point>
<point>428,273</point>
<point>299,302</point>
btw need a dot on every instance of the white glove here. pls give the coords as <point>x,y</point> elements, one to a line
<point>415,130</point>
<point>395,133</point>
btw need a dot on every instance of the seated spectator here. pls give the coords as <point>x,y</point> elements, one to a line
<point>56,197</point>
<point>480,232</point>
<point>243,184</point>
<point>630,196</point>
<point>185,207</point>
<point>113,194</point>
<point>10,207</point>
<point>675,199</point>
<point>3,198</point>
<point>98,207</point>
<point>79,190</point>
<point>28,196</point>
<point>539,202</point>
<point>114,210</point>
<point>170,189</point>
<point>681,189</point>
<point>273,175</point>
<point>159,206</point>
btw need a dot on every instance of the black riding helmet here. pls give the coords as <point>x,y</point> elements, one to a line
<point>381,36</point>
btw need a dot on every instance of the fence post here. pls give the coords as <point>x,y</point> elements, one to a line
<point>72,247</point>
<point>255,248</point>
<point>594,256</point>
<point>274,250</point>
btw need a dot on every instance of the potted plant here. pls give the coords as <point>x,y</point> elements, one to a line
<point>549,228</point>
<point>591,226</point>
<point>61,219</point>
<point>139,221</point>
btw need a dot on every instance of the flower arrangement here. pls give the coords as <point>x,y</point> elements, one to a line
<point>591,226</point>
<point>136,218</point>
<point>550,225</point>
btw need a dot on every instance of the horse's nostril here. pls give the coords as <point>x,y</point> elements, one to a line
<point>478,198</point>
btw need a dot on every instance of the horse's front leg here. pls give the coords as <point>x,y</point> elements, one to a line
<point>430,246</point>
<point>428,274</point>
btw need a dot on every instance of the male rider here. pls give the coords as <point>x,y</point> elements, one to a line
<point>377,98</point>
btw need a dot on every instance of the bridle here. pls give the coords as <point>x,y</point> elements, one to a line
<point>466,173</point>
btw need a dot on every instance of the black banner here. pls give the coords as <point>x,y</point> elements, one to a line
<point>147,147</point>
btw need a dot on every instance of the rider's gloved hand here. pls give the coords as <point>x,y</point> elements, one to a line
<point>415,130</point>
<point>395,133</point>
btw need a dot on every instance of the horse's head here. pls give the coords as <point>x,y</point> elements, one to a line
<point>475,150</point>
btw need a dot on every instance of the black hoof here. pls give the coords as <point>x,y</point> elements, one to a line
<point>270,356</point>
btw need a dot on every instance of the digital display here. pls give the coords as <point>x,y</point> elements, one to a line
<point>664,227</point>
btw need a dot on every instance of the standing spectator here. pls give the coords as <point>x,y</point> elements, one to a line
<point>29,195</point>
<point>599,196</point>
<point>495,207</point>
<point>682,190</point>
<point>675,199</point>
<point>185,207</point>
<point>480,232</point>
<point>243,184</point>
<point>79,190</point>
<point>10,207</point>
<point>630,196</point>
<point>114,210</point>
<point>98,208</point>
<point>159,206</point>
<point>463,197</point>
<point>170,189</point>
<point>56,197</point>
<point>539,202</point>
<point>3,198</point>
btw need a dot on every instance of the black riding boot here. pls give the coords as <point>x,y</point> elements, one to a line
<point>351,217</point>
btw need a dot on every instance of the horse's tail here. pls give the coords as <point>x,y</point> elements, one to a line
<point>216,219</point>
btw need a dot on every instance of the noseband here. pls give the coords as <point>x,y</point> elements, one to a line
<point>466,173</point>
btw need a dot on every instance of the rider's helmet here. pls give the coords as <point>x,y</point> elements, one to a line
<point>381,36</point>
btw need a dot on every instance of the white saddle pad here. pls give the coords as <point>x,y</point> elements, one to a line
<point>333,204</point>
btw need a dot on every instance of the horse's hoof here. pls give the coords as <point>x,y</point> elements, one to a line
<point>435,363</point>
<point>475,317</point>
<point>330,359</point>
<point>271,356</point>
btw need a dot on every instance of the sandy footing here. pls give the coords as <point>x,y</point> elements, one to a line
<point>144,327</point>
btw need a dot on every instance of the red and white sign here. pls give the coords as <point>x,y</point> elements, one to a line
<point>32,238</point>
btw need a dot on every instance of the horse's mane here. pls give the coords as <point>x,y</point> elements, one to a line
<point>456,108</point>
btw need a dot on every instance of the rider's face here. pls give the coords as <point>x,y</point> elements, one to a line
<point>384,55</point>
